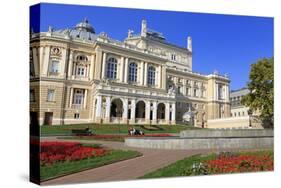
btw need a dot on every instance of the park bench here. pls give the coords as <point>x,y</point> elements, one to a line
<point>82,132</point>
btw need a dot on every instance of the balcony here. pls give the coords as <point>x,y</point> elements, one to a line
<point>77,106</point>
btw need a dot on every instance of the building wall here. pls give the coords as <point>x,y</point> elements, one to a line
<point>174,87</point>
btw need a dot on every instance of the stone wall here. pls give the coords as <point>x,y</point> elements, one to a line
<point>214,133</point>
<point>201,143</point>
<point>234,123</point>
<point>209,139</point>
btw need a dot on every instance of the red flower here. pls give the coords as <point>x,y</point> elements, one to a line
<point>242,163</point>
<point>52,152</point>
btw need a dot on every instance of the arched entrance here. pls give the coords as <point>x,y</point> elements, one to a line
<point>116,108</point>
<point>161,111</point>
<point>140,109</point>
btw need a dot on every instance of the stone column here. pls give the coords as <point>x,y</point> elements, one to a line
<point>141,73</point>
<point>103,73</point>
<point>125,111</point>
<point>216,91</point>
<point>167,113</point>
<point>46,60</point>
<point>133,111</point>
<point>226,93</point>
<point>63,63</point>
<point>107,109</point>
<point>74,69</point>
<point>122,69</point>
<point>147,112</point>
<point>173,113</point>
<point>92,67</point>
<point>191,88</point>
<point>126,70</point>
<point>99,109</point>
<point>41,59</point>
<point>85,98</point>
<point>70,64</point>
<point>184,88</point>
<point>159,76</point>
<point>145,74</point>
<point>164,77</point>
<point>71,97</point>
<point>154,114</point>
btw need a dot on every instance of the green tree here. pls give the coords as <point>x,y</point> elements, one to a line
<point>261,96</point>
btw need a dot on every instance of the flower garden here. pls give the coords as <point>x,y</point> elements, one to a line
<point>52,152</point>
<point>222,163</point>
<point>62,158</point>
<point>241,163</point>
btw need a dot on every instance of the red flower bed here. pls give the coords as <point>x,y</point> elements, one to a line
<point>52,152</point>
<point>242,163</point>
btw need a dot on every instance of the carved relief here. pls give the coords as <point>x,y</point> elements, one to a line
<point>56,51</point>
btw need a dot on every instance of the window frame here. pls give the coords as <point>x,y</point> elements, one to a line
<point>151,75</point>
<point>78,97</point>
<point>52,98</point>
<point>52,67</point>
<point>111,68</point>
<point>133,72</point>
<point>81,69</point>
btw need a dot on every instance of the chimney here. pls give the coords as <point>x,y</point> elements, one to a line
<point>143,28</point>
<point>189,43</point>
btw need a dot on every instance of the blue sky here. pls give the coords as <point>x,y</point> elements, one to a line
<point>229,44</point>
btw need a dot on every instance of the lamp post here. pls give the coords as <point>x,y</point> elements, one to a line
<point>250,112</point>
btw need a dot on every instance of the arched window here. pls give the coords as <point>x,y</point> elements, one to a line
<point>111,68</point>
<point>133,72</point>
<point>151,76</point>
<point>82,58</point>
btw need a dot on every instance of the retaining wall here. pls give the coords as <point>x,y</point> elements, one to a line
<point>227,133</point>
<point>201,143</point>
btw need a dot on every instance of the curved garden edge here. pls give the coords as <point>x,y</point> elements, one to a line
<point>196,165</point>
<point>79,166</point>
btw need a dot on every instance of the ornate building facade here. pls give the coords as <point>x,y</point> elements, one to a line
<point>79,76</point>
<point>237,109</point>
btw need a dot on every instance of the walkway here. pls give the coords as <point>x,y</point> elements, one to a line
<point>124,170</point>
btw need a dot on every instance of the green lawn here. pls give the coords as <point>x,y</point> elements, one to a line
<point>116,138</point>
<point>111,129</point>
<point>180,167</point>
<point>177,169</point>
<point>65,168</point>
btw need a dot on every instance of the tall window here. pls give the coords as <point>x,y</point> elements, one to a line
<point>31,69</point>
<point>179,90</point>
<point>173,57</point>
<point>220,92</point>
<point>112,68</point>
<point>54,68</point>
<point>195,93</point>
<point>133,72</point>
<point>32,95</point>
<point>151,75</point>
<point>80,71</point>
<point>51,95</point>
<point>78,97</point>
<point>187,91</point>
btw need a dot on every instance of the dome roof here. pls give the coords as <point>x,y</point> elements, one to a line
<point>82,30</point>
<point>85,26</point>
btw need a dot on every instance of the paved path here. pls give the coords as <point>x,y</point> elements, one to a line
<point>151,160</point>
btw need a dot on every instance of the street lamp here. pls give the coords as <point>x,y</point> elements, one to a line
<point>250,112</point>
